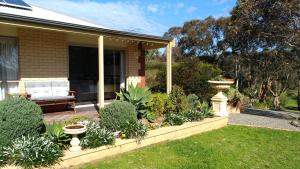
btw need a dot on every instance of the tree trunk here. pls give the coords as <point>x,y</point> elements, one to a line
<point>276,102</point>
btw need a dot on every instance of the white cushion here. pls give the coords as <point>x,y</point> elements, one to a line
<point>38,88</point>
<point>60,88</point>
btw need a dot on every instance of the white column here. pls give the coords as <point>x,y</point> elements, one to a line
<point>169,66</point>
<point>101,71</point>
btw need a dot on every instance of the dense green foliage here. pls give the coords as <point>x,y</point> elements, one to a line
<point>114,116</point>
<point>161,104</point>
<point>236,98</point>
<point>194,115</point>
<point>192,75</point>
<point>28,152</point>
<point>205,109</point>
<point>138,96</point>
<point>19,117</point>
<point>248,147</point>
<point>193,101</point>
<point>134,129</point>
<point>178,100</point>
<point>96,136</point>
<point>3,158</point>
<point>176,119</point>
<point>56,134</point>
<point>288,101</point>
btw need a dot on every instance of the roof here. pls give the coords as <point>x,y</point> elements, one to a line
<point>47,17</point>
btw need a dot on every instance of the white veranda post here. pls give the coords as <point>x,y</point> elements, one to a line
<point>169,66</point>
<point>101,71</point>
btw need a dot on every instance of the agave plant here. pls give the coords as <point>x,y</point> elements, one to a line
<point>56,134</point>
<point>139,97</point>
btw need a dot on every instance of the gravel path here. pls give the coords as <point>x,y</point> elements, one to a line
<point>261,121</point>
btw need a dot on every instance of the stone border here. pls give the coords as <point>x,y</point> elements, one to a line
<point>271,113</point>
<point>154,136</point>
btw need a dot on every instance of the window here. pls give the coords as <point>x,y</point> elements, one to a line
<point>9,64</point>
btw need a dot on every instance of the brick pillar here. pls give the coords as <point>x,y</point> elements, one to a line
<point>141,61</point>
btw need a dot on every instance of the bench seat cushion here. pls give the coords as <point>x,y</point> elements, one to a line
<point>52,98</point>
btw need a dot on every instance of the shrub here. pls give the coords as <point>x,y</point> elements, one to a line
<point>56,134</point>
<point>235,98</point>
<point>262,105</point>
<point>76,119</point>
<point>114,116</point>
<point>161,103</point>
<point>3,158</point>
<point>205,109</point>
<point>19,117</point>
<point>134,129</point>
<point>194,115</point>
<point>138,96</point>
<point>193,101</point>
<point>30,152</point>
<point>178,99</point>
<point>96,136</point>
<point>175,119</point>
<point>192,75</point>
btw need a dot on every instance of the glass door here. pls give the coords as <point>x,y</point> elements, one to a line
<point>84,73</point>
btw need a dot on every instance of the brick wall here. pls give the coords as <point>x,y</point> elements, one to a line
<point>135,65</point>
<point>42,55</point>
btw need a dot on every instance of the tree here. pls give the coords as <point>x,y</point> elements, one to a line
<point>265,35</point>
<point>175,33</point>
<point>203,38</point>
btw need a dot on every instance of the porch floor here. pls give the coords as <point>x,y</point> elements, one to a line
<point>88,111</point>
<point>63,116</point>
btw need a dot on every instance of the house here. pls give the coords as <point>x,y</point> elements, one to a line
<point>44,52</point>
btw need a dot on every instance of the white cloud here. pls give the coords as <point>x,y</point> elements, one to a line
<point>116,15</point>
<point>191,9</point>
<point>152,8</point>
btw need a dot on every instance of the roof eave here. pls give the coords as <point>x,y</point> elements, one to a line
<point>81,27</point>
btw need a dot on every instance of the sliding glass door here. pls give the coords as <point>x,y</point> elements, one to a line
<point>84,73</point>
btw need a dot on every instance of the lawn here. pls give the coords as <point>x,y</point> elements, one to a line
<point>231,147</point>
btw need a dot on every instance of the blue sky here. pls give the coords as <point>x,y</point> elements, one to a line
<point>144,16</point>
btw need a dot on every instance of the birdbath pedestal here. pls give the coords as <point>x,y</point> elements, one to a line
<point>219,101</point>
<point>75,130</point>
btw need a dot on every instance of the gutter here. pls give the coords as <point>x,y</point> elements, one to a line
<point>80,27</point>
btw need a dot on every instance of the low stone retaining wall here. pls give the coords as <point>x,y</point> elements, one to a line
<point>271,113</point>
<point>72,159</point>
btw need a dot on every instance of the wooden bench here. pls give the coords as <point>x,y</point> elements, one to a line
<point>51,93</point>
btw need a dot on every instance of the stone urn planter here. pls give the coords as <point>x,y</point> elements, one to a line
<point>75,130</point>
<point>219,101</point>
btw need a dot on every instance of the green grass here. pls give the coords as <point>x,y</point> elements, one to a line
<point>232,147</point>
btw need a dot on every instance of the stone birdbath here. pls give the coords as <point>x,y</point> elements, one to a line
<point>75,130</point>
<point>219,101</point>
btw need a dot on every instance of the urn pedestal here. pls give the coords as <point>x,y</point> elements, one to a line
<point>219,101</point>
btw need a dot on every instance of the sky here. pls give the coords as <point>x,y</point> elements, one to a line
<point>143,16</point>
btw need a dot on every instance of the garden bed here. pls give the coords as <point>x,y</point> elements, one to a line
<point>154,136</point>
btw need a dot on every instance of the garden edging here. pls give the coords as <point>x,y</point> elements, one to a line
<point>72,159</point>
